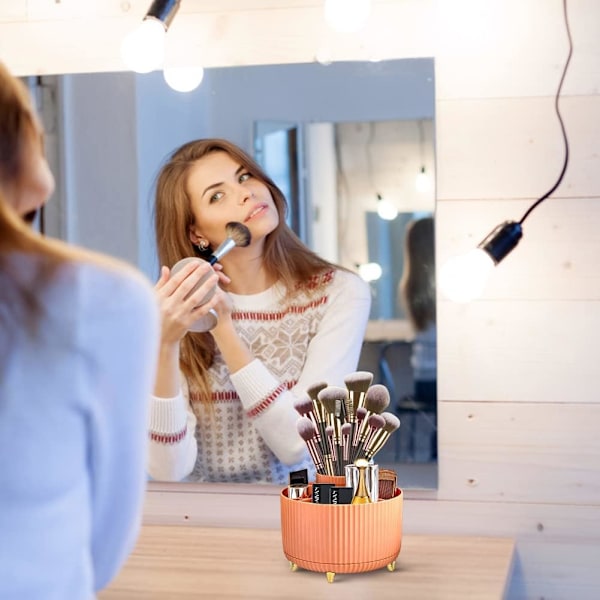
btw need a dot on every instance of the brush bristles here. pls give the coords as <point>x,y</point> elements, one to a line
<point>306,428</point>
<point>343,424</point>
<point>239,233</point>
<point>303,405</point>
<point>314,389</point>
<point>377,398</point>
<point>359,381</point>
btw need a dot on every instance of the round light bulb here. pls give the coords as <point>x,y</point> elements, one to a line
<point>183,79</point>
<point>347,16</point>
<point>143,50</point>
<point>386,210</point>
<point>463,278</point>
<point>370,271</point>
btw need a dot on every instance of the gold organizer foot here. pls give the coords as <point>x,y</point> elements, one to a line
<point>392,566</point>
<point>293,566</point>
<point>330,576</point>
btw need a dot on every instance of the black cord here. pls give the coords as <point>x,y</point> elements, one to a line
<point>560,120</point>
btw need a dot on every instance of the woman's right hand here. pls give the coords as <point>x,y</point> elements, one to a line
<point>178,311</point>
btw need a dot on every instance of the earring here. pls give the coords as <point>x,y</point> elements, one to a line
<point>202,245</point>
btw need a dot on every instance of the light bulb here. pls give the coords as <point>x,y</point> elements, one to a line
<point>463,278</point>
<point>347,16</point>
<point>183,79</point>
<point>370,271</point>
<point>422,182</point>
<point>143,49</point>
<point>385,209</point>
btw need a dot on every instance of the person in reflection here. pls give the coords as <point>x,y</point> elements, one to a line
<point>223,408</point>
<point>417,296</point>
<point>79,337</point>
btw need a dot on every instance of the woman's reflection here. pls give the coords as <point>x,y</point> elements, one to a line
<point>417,296</point>
<point>223,408</point>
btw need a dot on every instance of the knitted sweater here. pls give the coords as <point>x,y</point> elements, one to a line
<point>73,403</point>
<point>249,431</point>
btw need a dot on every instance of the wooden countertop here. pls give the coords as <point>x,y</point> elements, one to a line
<point>173,562</point>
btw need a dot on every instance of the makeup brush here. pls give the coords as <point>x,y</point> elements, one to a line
<point>357,383</point>
<point>304,407</point>
<point>346,433</point>
<point>329,432</point>
<point>237,235</point>
<point>392,423</point>
<point>374,424</point>
<point>361,413</point>
<point>332,398</point>
<point>318,410</point>
<point>376,400</point>
<point>308,431</point>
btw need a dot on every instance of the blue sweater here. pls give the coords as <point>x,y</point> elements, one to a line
<point>73,427</point>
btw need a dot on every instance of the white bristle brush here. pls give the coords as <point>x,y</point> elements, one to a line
<point>392,423</point>
<point>308,432</point>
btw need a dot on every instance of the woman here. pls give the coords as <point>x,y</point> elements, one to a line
<point>223,408</point>
<point>78,346</point>
<point>417,295</point>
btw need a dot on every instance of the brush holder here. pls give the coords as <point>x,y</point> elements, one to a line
<point>341,538</point>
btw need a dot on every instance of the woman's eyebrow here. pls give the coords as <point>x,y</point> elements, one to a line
<point>219,183</point>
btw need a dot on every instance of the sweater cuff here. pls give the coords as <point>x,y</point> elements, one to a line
<point>168,415</point>
<point>254,383</point>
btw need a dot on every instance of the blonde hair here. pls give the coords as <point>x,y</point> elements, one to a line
<point>417,286</point>
<point>285,256</point>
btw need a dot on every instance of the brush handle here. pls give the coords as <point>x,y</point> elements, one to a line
<point>376,444</point>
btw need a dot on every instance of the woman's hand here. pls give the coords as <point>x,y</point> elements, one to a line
<point>180,308</point>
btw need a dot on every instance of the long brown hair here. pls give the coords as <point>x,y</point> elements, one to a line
<point>18,134</point>
<point>285,256</point>
<point>20,304</point>
<point>417,286</point>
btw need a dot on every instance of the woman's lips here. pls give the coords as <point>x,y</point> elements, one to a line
<point>255,211</point>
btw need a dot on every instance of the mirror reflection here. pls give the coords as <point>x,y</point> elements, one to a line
<point>362,136</point>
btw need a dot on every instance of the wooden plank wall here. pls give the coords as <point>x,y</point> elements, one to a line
<point>518,370</point>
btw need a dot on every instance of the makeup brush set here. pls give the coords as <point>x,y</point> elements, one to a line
<point>350,519</point>
<point>342,425</point>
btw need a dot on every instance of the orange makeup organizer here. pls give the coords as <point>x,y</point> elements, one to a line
<point>341,538</point>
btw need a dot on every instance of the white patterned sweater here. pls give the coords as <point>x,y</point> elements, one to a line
<point>252,435</point>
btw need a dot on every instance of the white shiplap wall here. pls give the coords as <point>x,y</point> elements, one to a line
<point>518,376</point>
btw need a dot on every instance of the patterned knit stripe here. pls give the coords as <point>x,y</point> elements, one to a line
<point>277,316</point>
<point>231,395</point>
<point>167,438</point>
<point>266,402</point>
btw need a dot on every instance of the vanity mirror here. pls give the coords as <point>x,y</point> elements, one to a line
<point>363,132</point>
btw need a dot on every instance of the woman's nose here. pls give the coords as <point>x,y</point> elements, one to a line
<point>244,195</point>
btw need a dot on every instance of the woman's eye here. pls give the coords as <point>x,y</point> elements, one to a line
<point>216,196</point>
<point>245,177</point>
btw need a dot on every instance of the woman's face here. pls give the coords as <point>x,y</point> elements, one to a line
<point>223,190</point>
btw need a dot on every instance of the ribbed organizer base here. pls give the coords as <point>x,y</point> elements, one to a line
<point>341,538</point>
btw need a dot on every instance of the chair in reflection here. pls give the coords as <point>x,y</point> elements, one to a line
<point>414,403</point>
